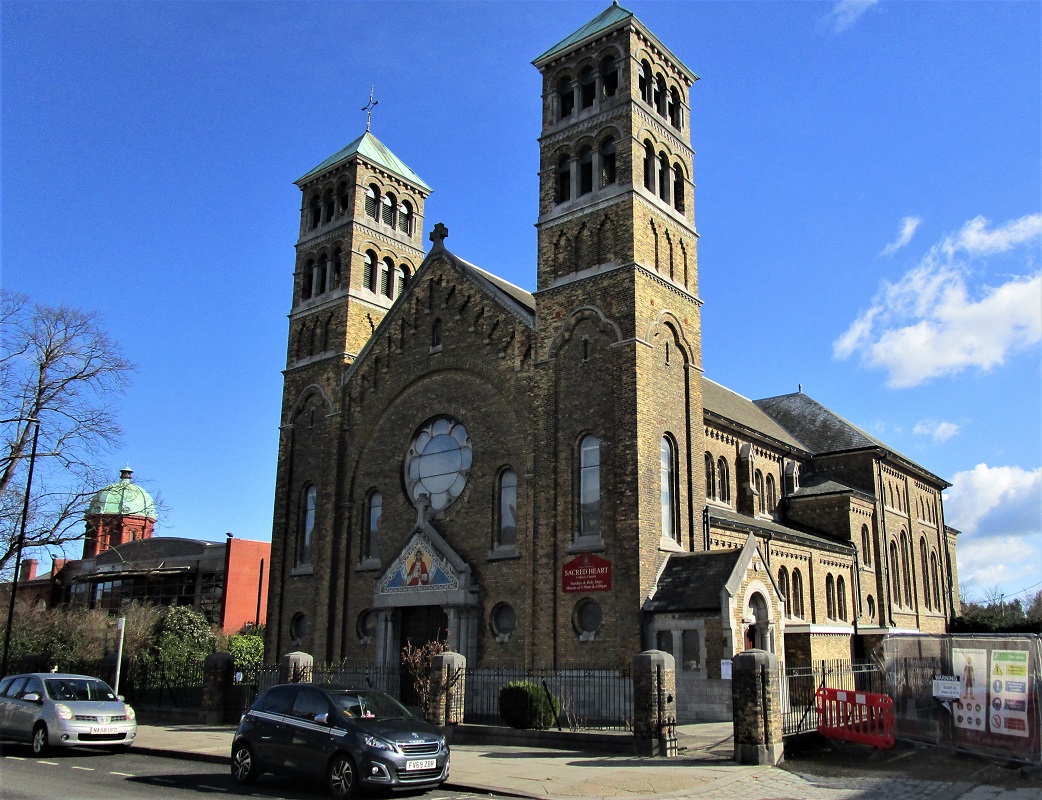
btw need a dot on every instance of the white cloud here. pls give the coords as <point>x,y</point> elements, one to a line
<point>939,431</point>
<point>931,322</point>
<point>909,225</point>
<point>846,12</point>
<point>1007,563</point>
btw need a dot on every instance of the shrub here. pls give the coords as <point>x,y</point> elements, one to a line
<point>247,651</point>
<point>523,704</point>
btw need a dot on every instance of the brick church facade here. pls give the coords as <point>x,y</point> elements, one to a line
<point>549,478</point>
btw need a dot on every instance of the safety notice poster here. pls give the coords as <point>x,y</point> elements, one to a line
<point>971,709</point>
<point>1009,692</point>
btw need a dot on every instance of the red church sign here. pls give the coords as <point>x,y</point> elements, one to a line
<point>586,573</point>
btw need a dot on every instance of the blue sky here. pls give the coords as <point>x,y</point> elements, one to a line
<point>868,199</point>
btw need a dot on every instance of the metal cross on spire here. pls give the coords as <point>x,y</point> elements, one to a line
<point>368,109</point>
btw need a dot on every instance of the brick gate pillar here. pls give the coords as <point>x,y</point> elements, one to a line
<point>654,704</point>
<point>756,701</point>
<point>296,668</point>
<point>448,681</point>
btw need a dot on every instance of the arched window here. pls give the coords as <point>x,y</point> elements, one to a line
<point>590,486</point>
<point>761,492</point>
<point>343,193</point>
<point>328,205</point>
<point>841,598</point>
<point>668,485</point>
<point>866,546</point>
<point>644,82</point>
<point>797,594</point>
<point>405,217</point>
<point>338,257</point>
<point>783,590</point>
<point>506,514</point>
<point>710,477</point>
<point>906,570</point>
<point>564,180</point>
<point>585,171</point>
<point>895,574</point>
<point>660,95</point>
<point>924,566</point>
<point>387,278</point>
<point>436,334</point>
<point>649,166</point>
<point>565,97</point>
<point>314,213</point>
<point>936,582</point>
<point>403,279</point>
<point>830,596</point>
<point>723,475</point>
<point>307,524</point>
<point>871,603</point>
<point>390,210</point>
<point>373,519</point>
<point>320,277</point>
<point>676,114</point>
<point>587,88</point>
<point>369,271</point>
<point>678,187</point>
<point>772,494</point>
<point>663,176</point>
<point>609,78</point>
<point>372,201</point>
<point>307,280</point>
<point>608,162</point>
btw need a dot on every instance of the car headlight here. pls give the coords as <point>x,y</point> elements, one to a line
<point>130,713</point>
<point>63,711</point>
<point>377,743</point>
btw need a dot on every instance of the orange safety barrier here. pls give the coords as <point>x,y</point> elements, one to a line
<point>856,716</point>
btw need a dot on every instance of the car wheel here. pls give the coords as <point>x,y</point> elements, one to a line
<point>40,739</point>
<point>244,765</point>
<point>343,777</point>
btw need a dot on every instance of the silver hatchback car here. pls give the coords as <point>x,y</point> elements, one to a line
<point>56,710</point>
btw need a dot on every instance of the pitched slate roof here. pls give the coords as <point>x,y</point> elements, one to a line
<point>602,22</point>
<point>693,581</point>
<point>371,148</point>
<point>732,406</point>
<point>516,293</point>
<point>155,548</point>
<point>823,430</point>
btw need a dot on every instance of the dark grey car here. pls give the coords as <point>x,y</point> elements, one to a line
<point>350,738</point>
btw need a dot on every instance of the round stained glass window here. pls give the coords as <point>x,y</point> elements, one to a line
<point>438,462</point>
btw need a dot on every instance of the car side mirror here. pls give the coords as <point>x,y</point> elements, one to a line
<point>32,697</point>
<point>120,698</point>
<point>322,719</point>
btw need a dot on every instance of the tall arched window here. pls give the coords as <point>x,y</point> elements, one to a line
<point>668,484</point>
<point>307,524</point>
<point>772,494</point>
<point>649,166</point>
<point>328,205</point>
<point>797,594</point>
<point>710,477</point>
<point>565,97</point>
<point>830,596</point>
<point>761,492</point>
<point>723,479</point>
<point>895,574</point>
<point>585,171</point>
<point>587,88</point>
<point>314,213</point>
<point>906,570</point>
<point>403,279</point>
<point>564,180</point>
<point>676,114</point>
<point>660,95</point>
<point>784,591</point>
<point>387,277</point>
<point>506,513</point>
<point>590,486</point>
<point>374,518</point>
<point>645,82</point>
<point>343,193</point>
<point>663,176</point>
<point>607,162</point>
<point>609,78</point>
<point>369,271</point>
<point>405,217</point>
<point>320,277</point>
<point>866,546</point>
<point>924,567</point>
<point>307,280</point>
<point>372,201</point>
<point>390,210</point>
<point>678,187</point>
<point>436,335</point>
<point>936,582</point>
<point>841,598</point>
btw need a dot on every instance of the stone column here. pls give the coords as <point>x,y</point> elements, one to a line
<point>217,688</point>
<point>448,682</point>
<point>756,702</point>
<point>654,704</point>
<point>296,668</point>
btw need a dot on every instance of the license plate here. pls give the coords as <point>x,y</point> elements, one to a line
<point>424,763</point>
<point>103,730</point>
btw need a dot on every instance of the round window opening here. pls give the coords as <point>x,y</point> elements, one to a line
<point>298,628</point>
<point>503,621</point>
<point>366,626</point>
<point>587,619</point>
<point>438,463</point>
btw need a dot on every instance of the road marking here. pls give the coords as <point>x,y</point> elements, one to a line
<point>85,769</point>
<point>122,774</point>
<point>48,763</point>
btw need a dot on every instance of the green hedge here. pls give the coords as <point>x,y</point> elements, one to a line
<point>523,704</point>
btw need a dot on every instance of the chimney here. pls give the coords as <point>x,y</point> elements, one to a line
<point>57,565</point>
<point>28,571</point>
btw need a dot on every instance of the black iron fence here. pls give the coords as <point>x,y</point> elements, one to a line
<point>801,681</point>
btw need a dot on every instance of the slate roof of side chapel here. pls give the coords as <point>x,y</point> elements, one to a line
<point>374,150</point>
<point>693,581</point>
<point>731,406</point>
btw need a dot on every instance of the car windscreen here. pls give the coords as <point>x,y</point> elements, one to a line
<point>369,705</point>
<point>78,689</point>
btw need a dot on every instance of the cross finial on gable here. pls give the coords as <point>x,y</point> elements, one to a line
<point>439,234</point>
<point>368,108</point>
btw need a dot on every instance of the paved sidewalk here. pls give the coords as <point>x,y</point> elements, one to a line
<point>704,770</point>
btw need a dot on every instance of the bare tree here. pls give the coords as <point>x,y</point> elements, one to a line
<point>58,366</point>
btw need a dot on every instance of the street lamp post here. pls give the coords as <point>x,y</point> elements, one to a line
<point>21,543</point>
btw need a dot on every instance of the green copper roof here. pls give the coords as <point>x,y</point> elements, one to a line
<point>123,499</point>
<point>606,19</point>
<point>371,148</point>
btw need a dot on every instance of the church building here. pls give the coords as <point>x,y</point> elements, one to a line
<point>548,478</point>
